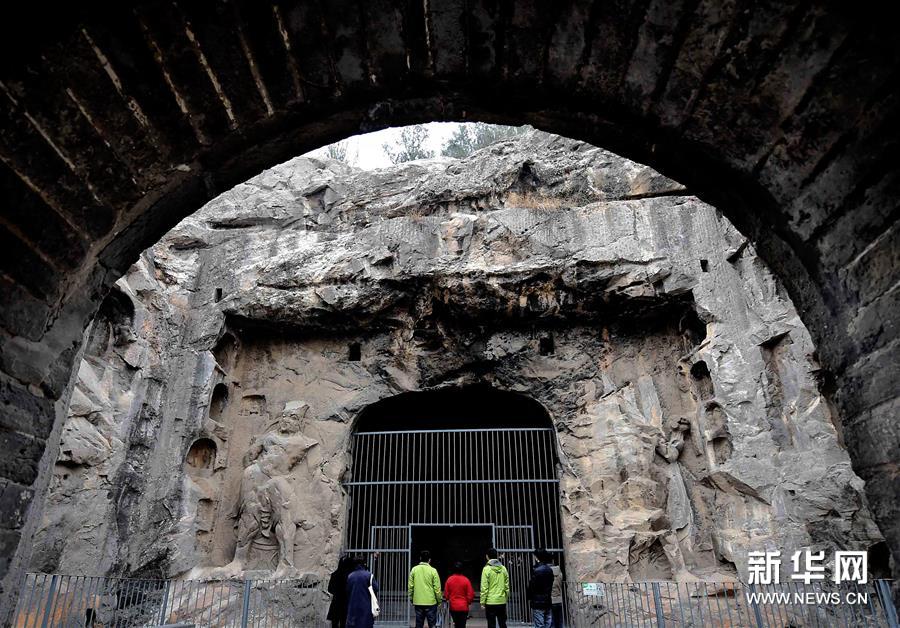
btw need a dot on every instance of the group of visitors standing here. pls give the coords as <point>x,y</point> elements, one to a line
<point>544,592</point>
<point>425,592</point>
<point>353,588</point>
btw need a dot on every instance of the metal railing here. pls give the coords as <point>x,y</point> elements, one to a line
<point>729,604</point>
<point>68,601</point>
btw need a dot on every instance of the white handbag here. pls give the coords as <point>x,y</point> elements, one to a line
<point>376,610</point>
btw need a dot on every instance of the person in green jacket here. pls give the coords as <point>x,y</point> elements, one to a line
<point>425,590</point>
<point>494,590</point>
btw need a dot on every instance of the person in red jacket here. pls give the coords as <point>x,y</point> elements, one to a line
<point>459,592</point>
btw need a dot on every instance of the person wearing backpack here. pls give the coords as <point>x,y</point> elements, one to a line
<point>540,589</point>
<point>425,591</point>
<point>494,590</point>
<point>459,593</point>
<point>361,587</point>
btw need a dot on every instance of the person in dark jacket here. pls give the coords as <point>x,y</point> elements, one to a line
<point>459,593</point>
<point>359,601</point>
<point>540,591</point>
<point>337,587</point>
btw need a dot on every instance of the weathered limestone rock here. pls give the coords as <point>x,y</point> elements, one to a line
<point>682,385</point>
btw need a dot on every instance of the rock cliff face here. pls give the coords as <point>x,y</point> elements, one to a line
<point>682,386</point>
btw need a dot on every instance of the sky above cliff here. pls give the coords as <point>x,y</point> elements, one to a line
<point>366,151</point>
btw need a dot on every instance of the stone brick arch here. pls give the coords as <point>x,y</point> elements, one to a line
<point>118,120</point>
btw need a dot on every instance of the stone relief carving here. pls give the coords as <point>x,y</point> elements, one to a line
<point>678,504</point>
<point>268,506</point>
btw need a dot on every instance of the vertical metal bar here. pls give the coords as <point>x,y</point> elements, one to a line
<point>24,609</point>
<point>209,591</point>
<point>728,604</point>
<point>537,489</point>
<point>626,604</point>
<point>222,606</point>
<point>86,587</point>
<point>119,597</point>
<point>192,597</point>
<point>365,441</point>
<point>84,598</point>
<point>873,614</point>
<point>631,604</point>
<point>134,605</point>
<point>782,606</point>
<point>754,604</point>
<point>678,598</point>
<point>165,602</point>
<point>699,608</point>
<point>719,606</point>
<point>34,598</point>
<point>708,603</point>
<point>456,453</point>
<point>643,598</point>
<point>743,606</point>
<point>49,603</point>
<point>125,602</point>
<point>370,440</point>
<point>91,588</point>
<point>861,611</point>
<point>39,602</point>
<point>74,602</point>
<point>657,602</point>
<point>63,597</point>
<point>137,602</point>
<point>236,588</point>
<point>245,605</point>
<point>887,603</point>
<point>140,601</point>
<point>615,597</point>
<point>353,494</point>
<point>687,595</point>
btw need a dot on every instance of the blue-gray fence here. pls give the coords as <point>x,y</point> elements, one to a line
<point>68,601</point>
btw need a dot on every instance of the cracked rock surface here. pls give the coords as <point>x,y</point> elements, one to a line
<point>682,385</point>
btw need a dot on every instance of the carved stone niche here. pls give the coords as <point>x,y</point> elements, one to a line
<point>201,457</point>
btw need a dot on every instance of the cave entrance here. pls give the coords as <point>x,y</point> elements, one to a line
<point>454,471</point>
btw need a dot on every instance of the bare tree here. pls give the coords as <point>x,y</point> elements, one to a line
<point>410,146</point>
<point>470,137</point>
<point>340,151</point>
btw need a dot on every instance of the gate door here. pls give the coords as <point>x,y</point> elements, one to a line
<point>453,479</point>
<point>516,547</point>
<point>388,555</point>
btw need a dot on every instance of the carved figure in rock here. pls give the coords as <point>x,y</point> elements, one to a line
<point>123,335</point>
<point>268,504</point>
<point>678,505</point>
<point>672,447</point>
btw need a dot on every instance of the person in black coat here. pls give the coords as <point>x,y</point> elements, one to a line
<point>540,591</point>
<point>337,587</point>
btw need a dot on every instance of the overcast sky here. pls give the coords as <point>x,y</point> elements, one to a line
<point>365,151</point>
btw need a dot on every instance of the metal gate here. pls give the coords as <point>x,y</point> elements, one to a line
<point>504,480</point>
